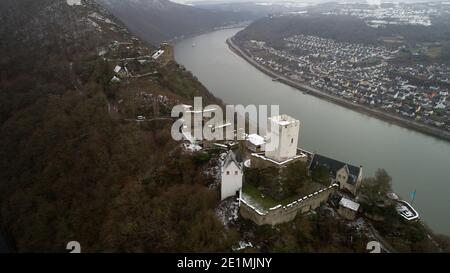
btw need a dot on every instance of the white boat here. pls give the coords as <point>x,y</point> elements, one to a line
<point>406,210</point>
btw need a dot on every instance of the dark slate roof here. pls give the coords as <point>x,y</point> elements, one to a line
<point>333,166</point>
<point>232,157</point>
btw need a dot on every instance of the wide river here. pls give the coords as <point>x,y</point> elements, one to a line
<point>415,161</point>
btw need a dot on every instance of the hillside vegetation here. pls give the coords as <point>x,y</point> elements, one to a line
<point>160,20</point>
<point>72,168</point>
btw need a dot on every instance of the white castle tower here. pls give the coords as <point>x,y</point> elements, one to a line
<point>231,174</point>
<point>282,135</point>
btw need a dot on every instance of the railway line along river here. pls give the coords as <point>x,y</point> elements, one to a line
<point>414,160</point>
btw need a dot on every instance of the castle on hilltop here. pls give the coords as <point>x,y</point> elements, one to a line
<point>272,162</point>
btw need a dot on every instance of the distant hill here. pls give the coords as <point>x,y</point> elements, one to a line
<point>341,28</point>
<point>251,10</point>
<point>160,20</point>
<point>273,29</point>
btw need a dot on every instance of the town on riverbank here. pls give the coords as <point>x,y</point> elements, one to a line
<point>390,61</point>
<point>346,101</point>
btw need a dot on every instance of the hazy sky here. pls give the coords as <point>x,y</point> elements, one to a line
<point>261,1</point>
<point>298,1</point>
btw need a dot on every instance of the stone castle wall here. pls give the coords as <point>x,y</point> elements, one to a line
<point>281,214</point>
<point>260,161</point>
<point>168,55</point>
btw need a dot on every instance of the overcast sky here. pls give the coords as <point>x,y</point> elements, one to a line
<point>261,1</point>
<point>298,1</point>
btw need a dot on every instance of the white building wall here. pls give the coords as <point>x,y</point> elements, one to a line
<point>342,177</point>
<point>283,135</point>
<point>231,181</point>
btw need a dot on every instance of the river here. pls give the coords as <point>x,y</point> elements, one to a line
<point>414,160</point>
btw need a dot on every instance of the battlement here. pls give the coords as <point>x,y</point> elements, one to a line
<point>283,132</point>
<point>285,213</point>
<point>283,120</point>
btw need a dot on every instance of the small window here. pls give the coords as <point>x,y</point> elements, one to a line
<point>292,140</point>
<point>235,172</point>
<point>228,172</point>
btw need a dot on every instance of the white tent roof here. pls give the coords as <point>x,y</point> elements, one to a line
<point>347,203</point>
<point>117,69</point>
<point>256,140</point>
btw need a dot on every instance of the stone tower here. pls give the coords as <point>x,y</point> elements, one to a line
<point>168,53</point>
<point>282,135</point>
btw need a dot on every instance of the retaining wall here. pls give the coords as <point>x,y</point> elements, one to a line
<point>281,214</point>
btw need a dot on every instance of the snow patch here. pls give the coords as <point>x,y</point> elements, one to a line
<point>94,24</point>
<point>242,245</point>
<point>99,17</point>
<point>74,2</point>
<point>191,147</point>
<point>228,210</point>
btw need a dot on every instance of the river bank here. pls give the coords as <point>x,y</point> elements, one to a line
<point>409,124</point>
<point>197,33</point>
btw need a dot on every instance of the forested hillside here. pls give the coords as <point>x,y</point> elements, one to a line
<point>72,164</point>
<point>160,20</point>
